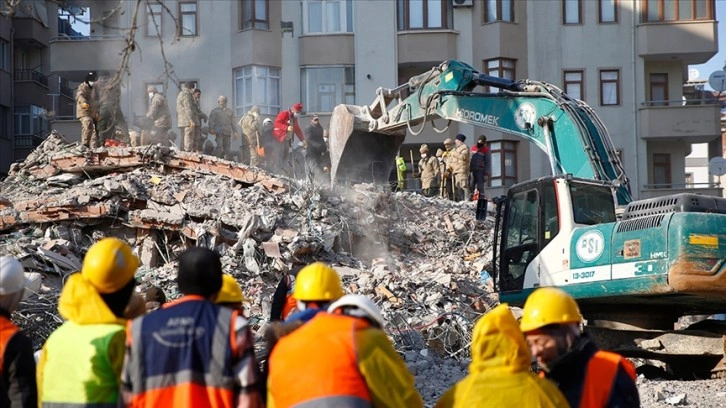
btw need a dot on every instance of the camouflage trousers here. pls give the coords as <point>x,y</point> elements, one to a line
<point>252,145</point>
<point>188,136</point>
<point>89,138</point>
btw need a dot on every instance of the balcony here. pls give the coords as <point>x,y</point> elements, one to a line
<point>31,87</point>
<point>75,56</point>
<point>660,190</point>
<point>426,46</point>
<point>693,42</point>
<point>698,121</point>
<point>30,32</point>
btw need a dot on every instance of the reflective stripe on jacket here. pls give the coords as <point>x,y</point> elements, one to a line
<point>317,365</point>
<point>600,376</point>
<point>77,368</point>
<point>7,331</point>
<point>182,356</point>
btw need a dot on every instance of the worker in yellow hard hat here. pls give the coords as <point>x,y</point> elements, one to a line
<point>231,295</point>
<point>586,375</point>
<point>80,363</point>
<point>316,286</point>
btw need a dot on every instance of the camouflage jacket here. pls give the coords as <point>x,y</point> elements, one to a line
<point>85,95</point>
<point>185,108</point>
<point>159,111</point>
<point>221,121</point>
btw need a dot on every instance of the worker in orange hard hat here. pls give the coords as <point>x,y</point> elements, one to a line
<point>587,376</point>
<point>80,363</point>
<point>358,366</point>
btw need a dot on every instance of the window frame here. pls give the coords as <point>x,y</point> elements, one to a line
<point>664,84</point>
<point>266,108</point>
<point>505,146</point>
<point>343,93</point>
<point>579,12</point>
<point>602,82</point>
<point>667,167</point>
<point>159,21</point>
<point>184,13</point>
<point>255,24</point>
<point>403,21</point>
<point>581,82</point>
<point>5,59</point>
<point>710,11</point>
<point>500,70</point>
<point>498,12</point>
<point>346,21</point>
<point>616,11</point>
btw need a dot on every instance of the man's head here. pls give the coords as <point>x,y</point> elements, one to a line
<point>188,85</point>
<point>296,108</point>
<point>109,267</point>
<point>448,144</point>
<point>439,153</point>
<point>358,306</point>
<point>197,94</point>
<point>151,90</point>
<point>12,283</point>
<point>315,120</point>
<point>318,284</point>
<point>200,272</point>
<point>460,139</point>
<point>222,101</point>
<point>91,77</point>
<point>230,295</point>
<point>551,322</point>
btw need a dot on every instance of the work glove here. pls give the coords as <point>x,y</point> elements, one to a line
<point>85,106</point>
<point>235,136</point>
<point>191,124</point>
<point>305,144</point>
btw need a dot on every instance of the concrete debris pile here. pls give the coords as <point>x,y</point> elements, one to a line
<point>422,260</point>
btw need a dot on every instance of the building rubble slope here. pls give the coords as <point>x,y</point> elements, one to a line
<point>420,259</point>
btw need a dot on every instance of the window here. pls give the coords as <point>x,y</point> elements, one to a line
<point>678,10</point>
<point>574,84</point>
<point>188,24</point>
<point>609,87</point>
<point>607,11</point>
<point>257,85</point>
<point>30,120</point>
<point>658,89</point>
<point>550,215</point>
<point>325,87</point>
<point>504,164</point>
<point>4,55</point>
<point>498,10</point>
<point>592,204</point>
<point>500,68</point>
<point>328,16</point>
<point>254,14</point>
<point>425,14</point>
<point>4,123</point>
<point>661,170</point>
<point>571,11</point>
<point>153,20</point>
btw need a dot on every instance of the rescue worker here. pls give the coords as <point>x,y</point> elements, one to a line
<point>499,374</point>
<point>80,363</point>
<point>315,154</point>
<point>358,368</point>
<point>185,116</point>
<point>203,352</point>
<point>221,125</point>
<point>111,121</point>
<point>428,167</point>
<point>480,167</point>
<point>17,364</point>
<point>250,124</point>
<point>460,168</point>
<point>284,303</point>
<point>230,295</point>
<point>587,376</point>
<point>400,172</point>
<point>316,286</point>
<point>286,124</point>
<point>87,111</point>
<point>159,113</point>
<point>267,142</point>
<point>447,177</point>
<point>199,116</point>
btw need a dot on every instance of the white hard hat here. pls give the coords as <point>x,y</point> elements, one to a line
<point>267,120</point>
<point>365,307</point>
<point>12,276</point>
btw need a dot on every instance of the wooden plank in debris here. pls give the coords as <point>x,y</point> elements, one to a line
<point>48,214</point>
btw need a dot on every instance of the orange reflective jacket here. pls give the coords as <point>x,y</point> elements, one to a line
<point>290,307</point>
<point>7,331</point>
<point>317,364</point>
<point>599,378</point>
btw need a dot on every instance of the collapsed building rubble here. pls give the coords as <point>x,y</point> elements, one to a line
<point>419,258</point>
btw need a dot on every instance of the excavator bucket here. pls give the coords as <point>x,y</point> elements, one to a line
<point>357,155</point>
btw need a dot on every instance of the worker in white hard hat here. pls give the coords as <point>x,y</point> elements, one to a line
<point>17,372</point>
<point>354,362</point>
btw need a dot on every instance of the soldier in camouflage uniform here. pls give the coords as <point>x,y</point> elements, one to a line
<point>250,124</point>
<point>185,115</point>
<point>111,121</point>
<point>160,115</point>
<point>199,116</point>
<point>86,111</point>
<point>221,124</point>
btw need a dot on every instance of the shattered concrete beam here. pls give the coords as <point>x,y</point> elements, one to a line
<point>49,214</point>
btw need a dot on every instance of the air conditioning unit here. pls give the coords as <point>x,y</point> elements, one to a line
<point>463,3</point>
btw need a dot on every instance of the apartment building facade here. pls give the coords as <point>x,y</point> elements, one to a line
<point>628,59</point>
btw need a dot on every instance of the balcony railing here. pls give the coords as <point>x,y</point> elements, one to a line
<point>26,141</point>
<point>63,38</point>
<point>31,75</point>
<point>681,102</point>
<point>66,90</point>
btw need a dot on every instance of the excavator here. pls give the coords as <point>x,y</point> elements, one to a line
<point>635,267</point>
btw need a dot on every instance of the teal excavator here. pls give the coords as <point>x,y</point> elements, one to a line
<point>635,267</point>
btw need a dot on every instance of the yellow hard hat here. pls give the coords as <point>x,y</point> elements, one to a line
<point>547,306</point>
<point>109,265</point>
<point>231,291</point>
<point>318,281</point>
